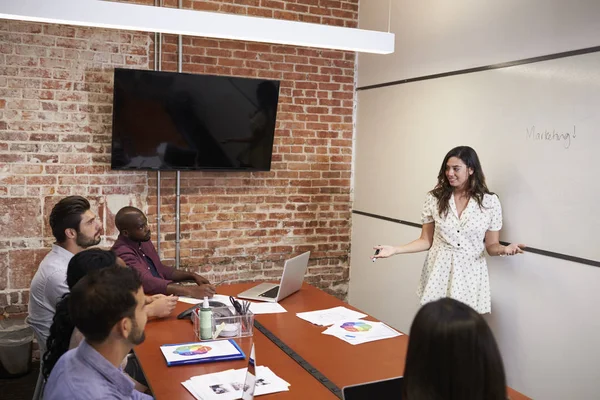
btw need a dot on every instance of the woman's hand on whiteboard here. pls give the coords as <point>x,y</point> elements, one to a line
<point>383,251</point>
<point>514,248</point>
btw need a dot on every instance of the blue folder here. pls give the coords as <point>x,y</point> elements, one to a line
<point>237,355</point>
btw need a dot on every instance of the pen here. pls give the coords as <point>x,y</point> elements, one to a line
<point>241,309</point>
<point>376,252</point>
<point>220,282</point>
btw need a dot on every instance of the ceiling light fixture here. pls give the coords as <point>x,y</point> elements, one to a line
<point>125,16</point>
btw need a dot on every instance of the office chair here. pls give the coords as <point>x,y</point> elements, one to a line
<point>41,382</point>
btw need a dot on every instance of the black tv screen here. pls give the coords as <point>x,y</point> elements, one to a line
<point>177,121</point>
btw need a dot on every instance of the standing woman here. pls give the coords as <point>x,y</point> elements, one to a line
<point>458,214</point>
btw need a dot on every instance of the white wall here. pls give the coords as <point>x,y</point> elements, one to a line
<point>500,113</point>
<point>544,310</point>
<point>544,315</point>
<point>434,36</point>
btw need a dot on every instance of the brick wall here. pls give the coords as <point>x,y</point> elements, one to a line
<point>55,131</point>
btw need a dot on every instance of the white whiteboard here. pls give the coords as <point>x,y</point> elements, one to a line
<point>536,128</point>
<point>542,309</point>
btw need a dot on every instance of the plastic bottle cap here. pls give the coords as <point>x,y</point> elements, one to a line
<point>205,304</point>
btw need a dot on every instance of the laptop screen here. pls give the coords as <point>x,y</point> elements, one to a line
<point>384,389</point>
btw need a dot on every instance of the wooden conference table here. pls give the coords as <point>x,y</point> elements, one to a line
<point>343,364</point>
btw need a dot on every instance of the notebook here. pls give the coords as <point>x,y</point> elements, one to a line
<point>200,352</point>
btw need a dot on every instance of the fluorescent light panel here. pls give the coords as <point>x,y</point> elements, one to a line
<point>134,17</point>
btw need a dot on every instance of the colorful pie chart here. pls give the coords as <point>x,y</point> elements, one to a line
<point>193,350</point>
<point>356,326</point>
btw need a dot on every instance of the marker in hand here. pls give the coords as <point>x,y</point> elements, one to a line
<point>376,252</point>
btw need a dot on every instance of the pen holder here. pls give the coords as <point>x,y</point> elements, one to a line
<point>226,326</point>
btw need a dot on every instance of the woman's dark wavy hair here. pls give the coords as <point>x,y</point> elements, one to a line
<point>452,355</point>
<point>62,327</point>
<point>476,186</point>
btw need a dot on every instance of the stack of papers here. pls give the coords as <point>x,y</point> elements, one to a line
<point>256,308</point>
<point>360,331</point>
<point>330,316</point>
<point>217,297</point>
<point>266,308</point>
<point>228,385</point>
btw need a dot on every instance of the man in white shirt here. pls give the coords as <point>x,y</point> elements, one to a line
<point>75,228</point>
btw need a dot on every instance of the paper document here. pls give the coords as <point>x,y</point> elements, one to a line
<point>227,385</point>
<point>330,316</point>
<point>189,300</point>
<point>266,308</point>
<point>217,297</point>
<point>222,299</point>
<point>360,331</point>
<point>256,308</point>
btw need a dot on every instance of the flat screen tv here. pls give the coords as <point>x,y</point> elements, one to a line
<point>178,121</point>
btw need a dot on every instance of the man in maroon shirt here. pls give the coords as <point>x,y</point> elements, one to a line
<point>135,248</point>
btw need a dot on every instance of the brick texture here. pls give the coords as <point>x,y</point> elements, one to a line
<point>55,133</point>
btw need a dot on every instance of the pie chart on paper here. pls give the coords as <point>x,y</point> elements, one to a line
<point>356,326</point>
<point>194,350</point>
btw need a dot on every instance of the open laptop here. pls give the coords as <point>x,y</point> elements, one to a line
<point>291,281</point>
<point>382,389</point>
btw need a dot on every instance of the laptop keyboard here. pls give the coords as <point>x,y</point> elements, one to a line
<point>271,293</point>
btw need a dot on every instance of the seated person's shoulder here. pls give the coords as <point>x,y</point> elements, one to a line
<point>60,382</point>
<point>121,249</point>
<point>56,275</point>
<point>55,285</point>
<point>71,379</point>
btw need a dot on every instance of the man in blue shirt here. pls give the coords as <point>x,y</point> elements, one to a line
<point>108,307</point>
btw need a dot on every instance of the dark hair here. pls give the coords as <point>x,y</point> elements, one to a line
<point>452,355</point>
<point>60,336</point>
<point>476,187</point>
<point>101,299</point>
<point>123,215</point>
<point>62,327</point>
<point>87,261</point>
<point>66,214</point>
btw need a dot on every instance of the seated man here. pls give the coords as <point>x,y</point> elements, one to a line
<point>135,248</point>
<point>63,334</point>
<point>75,228</point>
<point>108,307</point>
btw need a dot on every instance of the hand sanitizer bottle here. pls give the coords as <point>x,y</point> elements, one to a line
<point>205,321</point>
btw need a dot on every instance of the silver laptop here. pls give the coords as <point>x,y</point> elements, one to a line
<point>382,389</point>
<point>291,281</point>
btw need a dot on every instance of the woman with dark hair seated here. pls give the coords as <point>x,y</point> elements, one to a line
<point>63,334</point>
<point>61,331</point>
<point>452,355</point>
